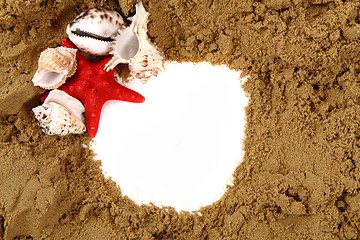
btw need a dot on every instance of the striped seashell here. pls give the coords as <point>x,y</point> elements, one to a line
<point>55,119</point>
<point>93,30</point>
<point>133,46</point>
<point>56,65</point>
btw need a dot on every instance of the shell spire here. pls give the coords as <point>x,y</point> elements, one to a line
<point>133,46</point>
<point>60,114</point>
<point>55,119</point>
<point>56,65</point>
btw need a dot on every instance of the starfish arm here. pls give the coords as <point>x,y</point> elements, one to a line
<point>122,93</point>
<point>93,115</point>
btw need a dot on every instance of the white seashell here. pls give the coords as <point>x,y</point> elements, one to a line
<point>146,64</point>
<point>133,46</point>
<point>55,66</point>
<point>93,30</point>
<point>55,119</point>
<point>74,106</point>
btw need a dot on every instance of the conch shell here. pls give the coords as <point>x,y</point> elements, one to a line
<point>55,119</point>
<point>133,46</point>
<point>93,30</point>
<point>56,65</point>
<point>60,114</point>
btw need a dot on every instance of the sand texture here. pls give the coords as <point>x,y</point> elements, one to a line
<point>300,178</point>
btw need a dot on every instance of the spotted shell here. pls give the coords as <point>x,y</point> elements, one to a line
<point>56,65</point>
<point>147,63</point>
<point>133,46</point>
<point>93,30</point>
<point>55,119</point>
<point>73,105</point>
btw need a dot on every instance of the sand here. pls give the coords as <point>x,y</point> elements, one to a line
<point>300,178</point>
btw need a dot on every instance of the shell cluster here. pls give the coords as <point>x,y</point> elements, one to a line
<point>102,32</point>
<point>97,32</point>
<point>56,65</point>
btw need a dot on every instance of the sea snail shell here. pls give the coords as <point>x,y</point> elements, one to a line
<point>60,114</point>
<point>133,46</point>
<point>56,65</point>
<point>93,30</point>
<point>55,119</point>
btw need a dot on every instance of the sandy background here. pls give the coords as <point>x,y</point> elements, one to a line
<point>301,175</point>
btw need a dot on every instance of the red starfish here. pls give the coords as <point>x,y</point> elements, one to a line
<point>93,87</point>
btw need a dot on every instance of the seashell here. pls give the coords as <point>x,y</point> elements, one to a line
<point>93,30</point>
<point>55,119</point>
<point>73,105</point>
<point>55,66</point>
<point>61,114</point>
<point>146,65</point>
<point>133,46</point>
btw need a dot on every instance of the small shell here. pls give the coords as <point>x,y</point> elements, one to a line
<point>93,30</point>
<point>55,119</point>
<point>133,46</point>
<point>147,63</point>
<point>73,105</point>
<point>56,65</point>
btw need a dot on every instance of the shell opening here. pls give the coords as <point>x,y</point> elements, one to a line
<point>133,46</point>
<point>127,45</point>
<point>56,65</point>
<point>73,105</point>
<point>80,33</point>
<point>93,30</point>
<point>51,78</point>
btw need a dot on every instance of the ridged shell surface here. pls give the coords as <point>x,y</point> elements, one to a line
<point>133,46</point>
<point>92,31</point>
<point>149,60</point>
<point>56,65</point>
<point>55,119</point>
<point>146,65</point>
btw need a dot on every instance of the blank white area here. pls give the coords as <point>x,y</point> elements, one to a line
<point>181,146</point>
